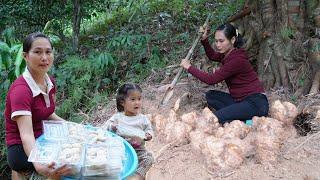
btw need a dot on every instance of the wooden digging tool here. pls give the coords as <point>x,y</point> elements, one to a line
<point>169,91</point>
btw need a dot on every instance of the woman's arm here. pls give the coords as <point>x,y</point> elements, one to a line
<point>233,65</point>
<point>54,116</point>
<point>210,52</point>
<point>26,133</point>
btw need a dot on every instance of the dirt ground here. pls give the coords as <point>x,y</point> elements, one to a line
<point>299,157</point>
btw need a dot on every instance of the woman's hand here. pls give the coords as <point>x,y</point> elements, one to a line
<point>148,137</point>
<point>206,31</point>
<point>52,172</point>
<point>185,63</point>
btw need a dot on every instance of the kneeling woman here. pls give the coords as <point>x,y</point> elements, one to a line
<point>246,98</point>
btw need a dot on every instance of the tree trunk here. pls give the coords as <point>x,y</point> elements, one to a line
<point>282,40</point>
<point>76,24</point>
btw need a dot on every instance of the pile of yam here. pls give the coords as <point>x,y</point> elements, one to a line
<point>226,146</point>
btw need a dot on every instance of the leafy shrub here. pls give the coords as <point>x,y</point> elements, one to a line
<point>11,66</point>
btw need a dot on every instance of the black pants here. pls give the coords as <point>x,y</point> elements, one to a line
<point>18,160</point>
<point>227,109</point>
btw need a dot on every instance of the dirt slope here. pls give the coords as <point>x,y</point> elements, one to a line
<point>299,157</point>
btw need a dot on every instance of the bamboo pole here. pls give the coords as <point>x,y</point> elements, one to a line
<point>169,91</point>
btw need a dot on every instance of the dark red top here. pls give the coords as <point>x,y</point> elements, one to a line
<point>21,101</point>
<point>236,70</point>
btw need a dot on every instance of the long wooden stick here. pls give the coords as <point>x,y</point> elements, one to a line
<point>169,91</point>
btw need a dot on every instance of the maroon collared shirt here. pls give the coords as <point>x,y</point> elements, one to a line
<point>21,101</point>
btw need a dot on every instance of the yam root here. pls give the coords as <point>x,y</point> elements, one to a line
<point>285,112</point>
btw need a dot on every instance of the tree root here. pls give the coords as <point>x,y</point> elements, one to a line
<point>315,83</point>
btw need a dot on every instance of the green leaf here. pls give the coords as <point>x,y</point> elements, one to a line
<point>6,60</point>
<point>110,59</point>
<point>18,62</point>
<point>0,64</point>
<point>15,48</point>
<point>4,47</point>
<point>123,40</point>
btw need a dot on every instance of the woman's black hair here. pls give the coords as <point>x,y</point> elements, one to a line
<point>230,31</point>
<point>123,93</point>
<point>27,42</point>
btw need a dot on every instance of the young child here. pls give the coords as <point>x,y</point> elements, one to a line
<point>128,115</point>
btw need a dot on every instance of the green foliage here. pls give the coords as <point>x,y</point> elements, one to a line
<point>11,65</point>
<point>315,48</point>
<point>11,62</point>
<point>80,79</point>
<point>287,33</point>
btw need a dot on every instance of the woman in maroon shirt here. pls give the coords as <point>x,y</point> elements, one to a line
<point>245,98</point>
<point>30,100</point>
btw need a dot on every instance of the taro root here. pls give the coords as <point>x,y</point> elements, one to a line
<point>219,133</point>
<point>178,131</point>
<point>209,116</point>
<point>159,122</point>
<point>197,139</point>
<point>267,149</point>
<point>212,146</point>
<point>172,116</point>
<point>207,122</point>
<point>285,112</point>
<point>248,144</point>
<point>292,112</point>
<point>269,126</point>
<point>268,139</point>
<point>235,128</point>
<point>277,110</point>
<point>233,156</point>
<point>221,155</point>
<point>190,119</point>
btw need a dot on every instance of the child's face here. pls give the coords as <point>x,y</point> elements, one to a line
<point>132,104</point>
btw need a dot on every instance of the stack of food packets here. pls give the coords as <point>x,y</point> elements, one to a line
<point>89,151</point>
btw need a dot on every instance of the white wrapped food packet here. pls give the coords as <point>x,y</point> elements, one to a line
<point>116,148</point>
<point>128,131</point>
<point>77,132</point>
<point>71,154</point>
<point>96,136</point>
<point>44,153</point>
<point>95,160</point>
<point>55,130</point>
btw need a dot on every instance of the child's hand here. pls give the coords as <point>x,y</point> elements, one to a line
<point>114,127</point>
<point>148,137</point>
<point>135,142</point>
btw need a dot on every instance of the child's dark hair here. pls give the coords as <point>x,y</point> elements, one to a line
<point>123,93</point>
<point>27,42</point>
<point>230,31</point>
